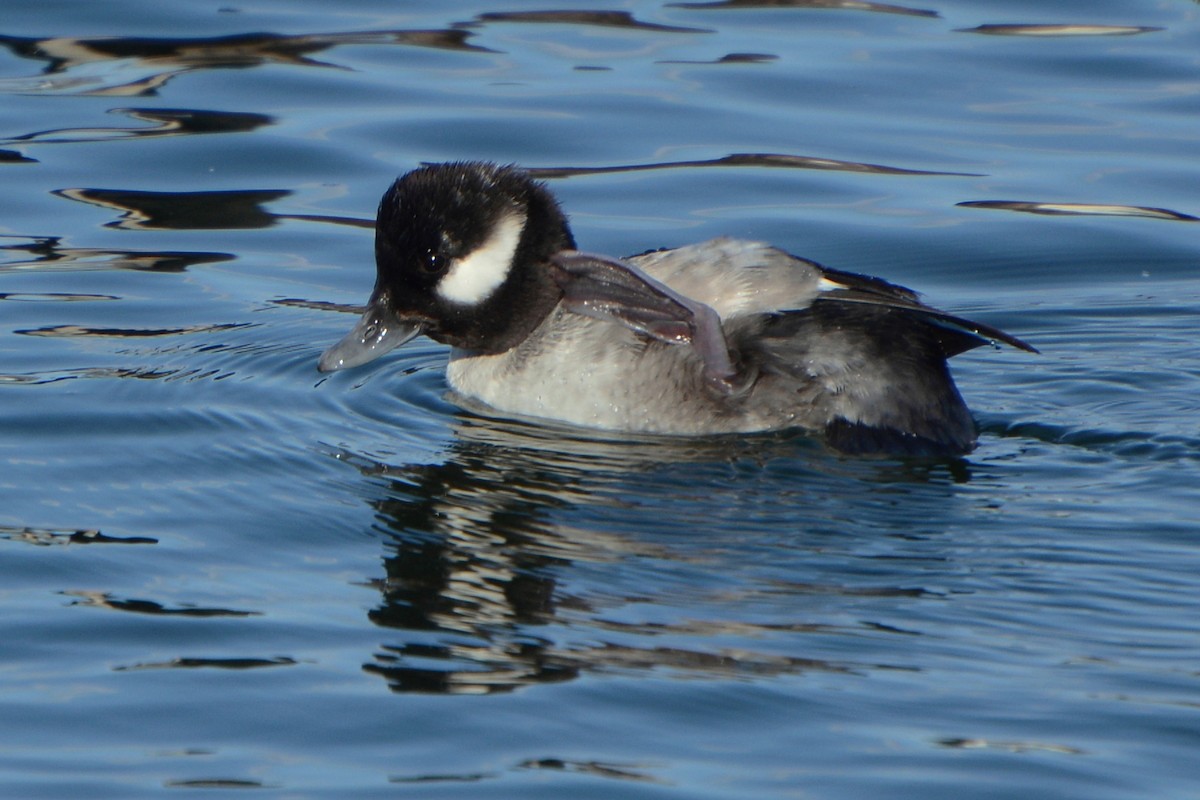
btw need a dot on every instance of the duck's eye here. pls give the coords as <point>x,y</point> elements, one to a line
<point>433,263</point>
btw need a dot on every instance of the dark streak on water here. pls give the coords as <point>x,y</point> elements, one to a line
<point>1081,209</point>
<point>1061,30</point>
<point>840,5</point>
<point>772,160</point>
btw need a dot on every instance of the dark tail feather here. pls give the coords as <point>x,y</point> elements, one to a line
<point>958,334</point>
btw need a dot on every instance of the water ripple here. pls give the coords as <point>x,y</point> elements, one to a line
<point>603,19</point>
<point>131,66</point>
<point>1081,209</point>
<point>95,599</point>
<point>49,536</point>
<point>1061,30</point>
<point>48,253</point>
<point>770,160</point>
<point>211,663</point>
<point>840,5</point>
<point>163,122</point>
<point>76,331</point>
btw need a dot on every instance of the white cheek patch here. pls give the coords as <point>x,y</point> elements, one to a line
<point>474,277</point>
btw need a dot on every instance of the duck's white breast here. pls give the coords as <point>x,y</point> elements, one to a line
<point>574,369</point>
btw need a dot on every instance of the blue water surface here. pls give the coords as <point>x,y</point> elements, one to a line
<point>221,571</point>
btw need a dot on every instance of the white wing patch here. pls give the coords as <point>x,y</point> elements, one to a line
<point>474,277</point>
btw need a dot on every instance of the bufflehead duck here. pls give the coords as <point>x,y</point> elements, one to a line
<point>723,336</point>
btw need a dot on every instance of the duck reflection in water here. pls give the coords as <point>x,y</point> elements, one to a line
<point>481,550</point>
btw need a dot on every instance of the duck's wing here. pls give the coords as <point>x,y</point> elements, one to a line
<point>956,334</point>
<point>608,288</point>
<point>738,277</point>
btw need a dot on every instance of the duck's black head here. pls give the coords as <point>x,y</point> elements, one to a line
<point>460,251</point>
